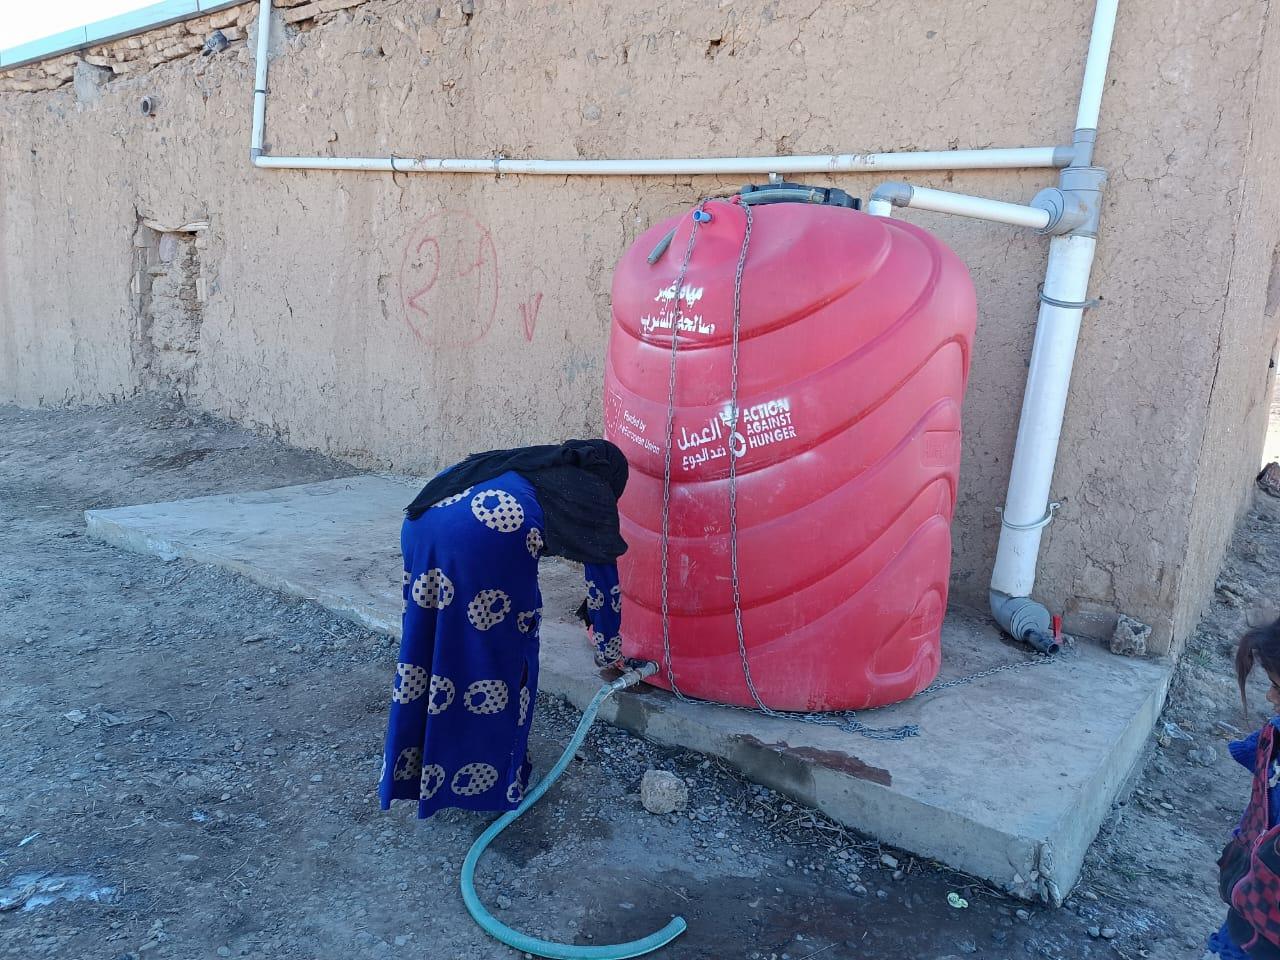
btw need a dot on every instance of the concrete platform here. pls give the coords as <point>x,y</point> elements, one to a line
<point>1009,780</point>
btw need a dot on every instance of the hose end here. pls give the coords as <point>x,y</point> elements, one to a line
<point>637,670</point>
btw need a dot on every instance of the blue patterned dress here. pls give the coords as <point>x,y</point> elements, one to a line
<point>467,677</point>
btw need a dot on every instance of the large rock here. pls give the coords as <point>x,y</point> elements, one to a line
<point>663,792</point>
<point>1130,637</point>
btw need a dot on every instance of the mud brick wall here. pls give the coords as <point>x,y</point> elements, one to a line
<point>402,321</point>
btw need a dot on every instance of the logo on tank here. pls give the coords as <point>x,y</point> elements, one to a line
<point>759,425</point>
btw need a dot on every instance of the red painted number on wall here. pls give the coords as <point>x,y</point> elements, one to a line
<point>449,280</point>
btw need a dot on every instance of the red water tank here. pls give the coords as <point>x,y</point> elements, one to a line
<point>855,334</point>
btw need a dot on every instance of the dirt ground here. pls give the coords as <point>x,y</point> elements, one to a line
<point>188,765</point>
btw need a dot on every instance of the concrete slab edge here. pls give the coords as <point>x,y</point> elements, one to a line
<point>1021,865</point>
<point>1071,837</point>
<point>103,527</point>
<point>857,802</point>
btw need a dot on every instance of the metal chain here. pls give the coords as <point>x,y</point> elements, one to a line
<point>674,312</point>
<point>734,413</point>
<point>846,719</point>
<point>1036,658</point>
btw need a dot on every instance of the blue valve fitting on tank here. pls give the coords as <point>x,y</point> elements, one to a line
<point>701,216</point>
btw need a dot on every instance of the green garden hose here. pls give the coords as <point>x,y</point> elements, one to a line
<point>546,948</point>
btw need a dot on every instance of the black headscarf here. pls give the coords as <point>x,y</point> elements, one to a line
<point>578,484</point>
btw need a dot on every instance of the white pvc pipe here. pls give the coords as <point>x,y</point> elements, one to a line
<point>1095,65</point>
<point>1017,157</point>
<point>1043,405</point>
<point>260,80</point>
<point>1052,356</point>
<point>980,208</point>
<point>987,159</point>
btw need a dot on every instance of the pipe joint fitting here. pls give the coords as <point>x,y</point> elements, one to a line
<point>1024,619</point>
<point>1082,147</point>
<point>1066,211</point>
<point>1075,205</point>
<point>893,192</point>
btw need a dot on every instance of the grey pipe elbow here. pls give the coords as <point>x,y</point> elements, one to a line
<point>1024,619</point>
<point>893,192</point>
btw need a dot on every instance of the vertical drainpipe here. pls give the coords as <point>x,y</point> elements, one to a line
<point>260,81</point>
<point>1028,509</point>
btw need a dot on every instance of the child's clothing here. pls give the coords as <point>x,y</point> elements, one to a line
<point>1245,752</point>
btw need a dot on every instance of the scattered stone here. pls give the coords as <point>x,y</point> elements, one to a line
<point>503,902</point>
<point>967,946</point>
<point>663,792</point>
<point>269,751</point>
<point>888,861</point>
<point>1232,590</point>
<point>224,951</point>
<point>1130,637</point>
<point>1089,895</point>
<point>1095,932</point>
<point>860,890</point>
<point>898,874</point>
<point>1108,933</point>
<point>1204,757</point>
<point>1022,915</point>
<point>1174,732</point>
<point>317,778</point>
<point>1230,729</point>
<point>1269,479</point>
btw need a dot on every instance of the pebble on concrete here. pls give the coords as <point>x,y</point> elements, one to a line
<point>663,792</point>
<point>1130,637</point>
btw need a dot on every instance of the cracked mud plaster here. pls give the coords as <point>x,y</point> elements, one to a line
<point>405,320</point>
